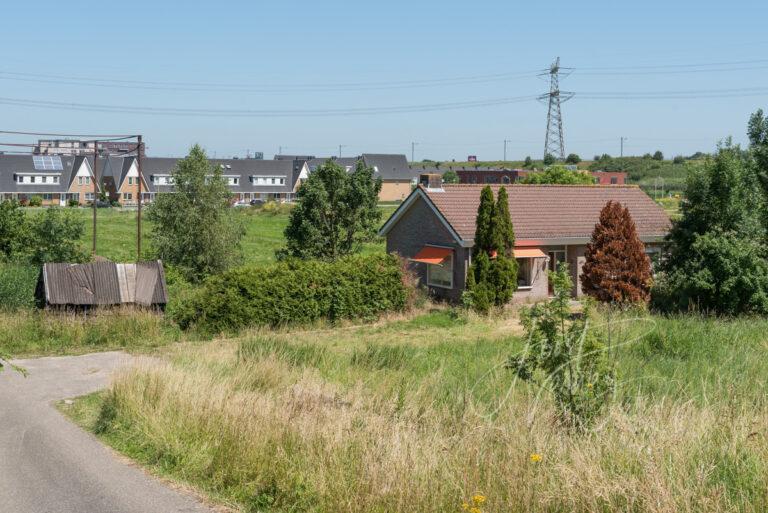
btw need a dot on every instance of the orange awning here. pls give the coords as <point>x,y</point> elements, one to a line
<point>529,253</point>
<point>432,255</point>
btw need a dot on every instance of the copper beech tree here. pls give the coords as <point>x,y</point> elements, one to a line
<point>616,269</point>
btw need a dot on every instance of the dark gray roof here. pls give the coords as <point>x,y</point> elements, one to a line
<point>104,283</point>
<point>389,166</point>
<point>241,168</point>
<point>10,165</point>
<point>346,162</point>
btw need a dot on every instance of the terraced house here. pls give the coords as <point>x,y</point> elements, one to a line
<point>435,228</point>
<point>54,179</point>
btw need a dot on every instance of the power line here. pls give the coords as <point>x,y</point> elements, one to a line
<point>101,137</point>
<point>286,88</point>
<point>266,112</point>
<point>267,88</point>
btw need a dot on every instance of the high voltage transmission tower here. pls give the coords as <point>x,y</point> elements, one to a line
<point>553,142</point>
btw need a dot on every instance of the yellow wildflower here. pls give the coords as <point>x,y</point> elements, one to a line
<point>589,385</point>
<point>465,506</point>
<point>478,499</point>
<point>535,457</point>
<point>475,510</point>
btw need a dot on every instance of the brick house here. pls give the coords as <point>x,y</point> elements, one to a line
<point>434,229</point>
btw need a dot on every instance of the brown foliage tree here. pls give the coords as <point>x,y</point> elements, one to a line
<point>616,270</point>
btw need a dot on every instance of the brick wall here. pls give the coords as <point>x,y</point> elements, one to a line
<point>420,226</point>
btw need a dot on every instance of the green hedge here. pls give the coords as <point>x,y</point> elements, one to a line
<point>295,292</point>
<point>17,285</point>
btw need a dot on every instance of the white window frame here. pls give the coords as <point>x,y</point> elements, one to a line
<point>429,273</point>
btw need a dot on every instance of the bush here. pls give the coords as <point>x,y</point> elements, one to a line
<point>17,285</point>
<point>296,292</point>
<point>73,203</point>
<point>35,201</point>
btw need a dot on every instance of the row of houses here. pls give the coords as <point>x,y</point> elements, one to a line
<point>59,179</point>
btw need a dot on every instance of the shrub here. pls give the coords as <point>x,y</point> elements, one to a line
<point>17,285</point>
<point>53,235</point>
<point>565,356</point>
<point>35,201</point>
<point>296,292</point>
<point>73,203</point>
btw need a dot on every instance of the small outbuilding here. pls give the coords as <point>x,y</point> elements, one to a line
<point>102,283</point>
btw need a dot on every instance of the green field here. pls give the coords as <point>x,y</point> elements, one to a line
<point>418,413</point>
<point>116,233</point>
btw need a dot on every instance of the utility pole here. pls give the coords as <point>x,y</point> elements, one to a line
<point>95,191</point>
<point>505,149</point>
<point>138,217</point>
<point>340,147</point>
<point>413,151</point>
<point>279,150</point>
<point>622,145</point>
<point>553,142</point>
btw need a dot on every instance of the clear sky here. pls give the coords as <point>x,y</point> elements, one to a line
<point>288,56</point>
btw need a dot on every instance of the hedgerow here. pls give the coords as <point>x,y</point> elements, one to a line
<point>296,292</point>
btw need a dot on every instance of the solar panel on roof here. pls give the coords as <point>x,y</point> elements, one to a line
<point>47,162</point>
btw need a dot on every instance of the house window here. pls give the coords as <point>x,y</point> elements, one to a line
<point>32,179</point>
<point>441,275</point>
<point>88,196</point>
<point>128,196</point>
<point>130,180</point>
<point>47,197</point>
<point>614,180</point>
<point>524,273</point>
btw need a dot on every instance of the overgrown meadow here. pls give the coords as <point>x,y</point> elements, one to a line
<point>419,413</point>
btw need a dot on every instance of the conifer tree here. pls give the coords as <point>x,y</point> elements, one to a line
<point>504,222</point>
<point>484,224</point>
<point>616,269</point>
<point>492,278</point>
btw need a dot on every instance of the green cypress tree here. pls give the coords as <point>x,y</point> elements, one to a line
<point>504,222</point>
<point>484,224</point>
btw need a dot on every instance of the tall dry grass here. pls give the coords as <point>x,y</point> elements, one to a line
<point>282,425</point>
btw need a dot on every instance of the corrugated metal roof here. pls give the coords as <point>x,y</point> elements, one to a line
<point>104,283</point>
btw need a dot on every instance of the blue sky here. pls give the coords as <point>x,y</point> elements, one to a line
<point>295,49</point>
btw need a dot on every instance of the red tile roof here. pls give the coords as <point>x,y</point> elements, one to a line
<point>550,211</point>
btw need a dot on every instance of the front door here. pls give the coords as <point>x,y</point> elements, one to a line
<point>555,257</point>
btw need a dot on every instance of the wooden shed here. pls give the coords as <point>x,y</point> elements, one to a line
<point>103,283</point>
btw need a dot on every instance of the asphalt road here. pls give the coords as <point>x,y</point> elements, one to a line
<point>47,464</point>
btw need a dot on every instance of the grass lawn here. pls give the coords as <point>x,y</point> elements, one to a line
<point>116,233</point>
<point>418,413</point>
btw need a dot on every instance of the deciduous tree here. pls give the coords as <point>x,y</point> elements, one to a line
<point>336,213</point>
<point>450,176</point>
<point>616,269</point>
<point>559,175</point>
<point>195,228</point>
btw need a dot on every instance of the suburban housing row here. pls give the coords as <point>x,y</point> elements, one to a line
<point>58,179</point>
<point>434,228</point>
